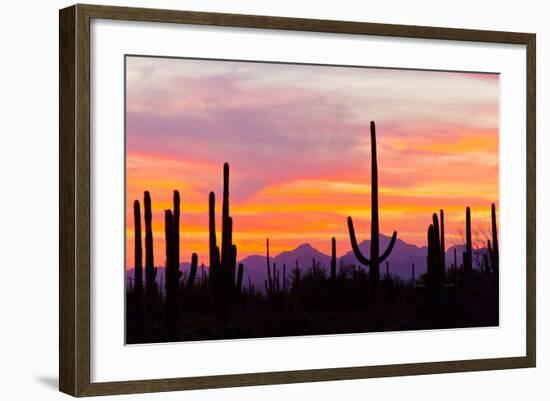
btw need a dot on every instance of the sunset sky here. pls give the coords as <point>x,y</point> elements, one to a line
<point>297,140</point>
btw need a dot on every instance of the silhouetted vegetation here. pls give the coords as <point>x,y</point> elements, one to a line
<point>306,300</point>
<point>375,258</point>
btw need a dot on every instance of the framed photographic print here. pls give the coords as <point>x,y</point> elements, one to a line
<point>251,200</point>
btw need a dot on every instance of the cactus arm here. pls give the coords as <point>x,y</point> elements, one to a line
<point>240,271</point>
<point>232,266</point>
<point>389,248</point>
<point>333,260</point>
<point>360,257</point>
<point>192,273</point>
<point>217,255</point>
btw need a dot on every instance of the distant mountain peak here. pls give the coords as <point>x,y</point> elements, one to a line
<point>305,247</point>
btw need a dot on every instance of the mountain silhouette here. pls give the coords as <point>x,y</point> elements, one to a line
<point>304,255</point>
<point>400,260</point>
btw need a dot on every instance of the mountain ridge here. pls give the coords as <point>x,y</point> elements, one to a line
<point>399,262</point>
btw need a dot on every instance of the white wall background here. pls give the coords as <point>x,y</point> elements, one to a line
<point>29,182</point>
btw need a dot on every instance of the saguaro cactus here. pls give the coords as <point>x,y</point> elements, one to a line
<point>442,238</point>
<point>172,276</point>
<point>138,253</point>
<point>435,259</point>
<point>333,261</point>
<point>192,273</point>
<point>173,273</point>
<point>213,247</point>
<point>150,269</point>
<point>177,226</point>
<point>239,283</point>
<point>493,246</point>
<point>375,258</point>
<point>467,254</point>
<point>269,287</point>
<point>223,265</point>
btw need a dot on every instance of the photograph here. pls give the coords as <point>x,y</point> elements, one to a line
<point>269,199</point>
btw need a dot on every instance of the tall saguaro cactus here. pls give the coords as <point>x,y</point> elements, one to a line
<point>138,253</point>
<point>213,247</point>
<point>467,255</point>
<point>226,275</point>
<point>492,246</point>
<point>177,226</point>
<point>435,257</point>
<point>333,261</point>
<point>269,287</point>
<point>150,269</point>
<point>442,238</point>
<point>173,273</point>
<point>172,276</point>
<point>375,258</point>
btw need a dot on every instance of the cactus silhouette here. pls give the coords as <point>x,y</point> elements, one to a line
<point>192,273</point>
<point>333,261</point>
<point>176,216</point>
<point>239,283</point>
<point>172,276</point>
<point>435,257</point>
<point>173,273</point>
<point>226,277</point>
<point>150,269</point>
<point>442,238</point>
<point>214,250</point>
<point>138,256</point>
<point>492,246</point>
<point>269,281</point>
<point>467,254</point>
<point>375,258</point>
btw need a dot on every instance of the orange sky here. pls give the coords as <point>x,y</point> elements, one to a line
<point>297,141</point>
